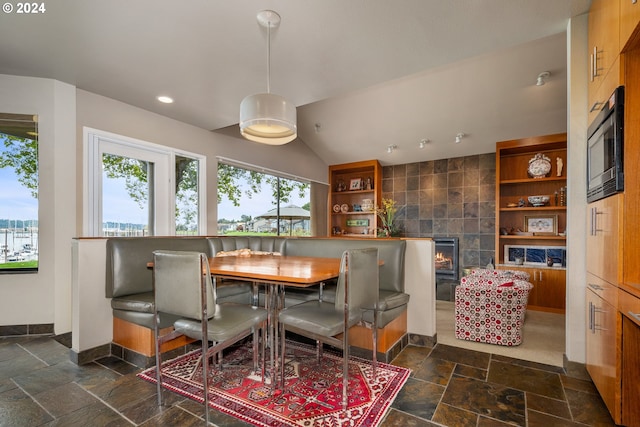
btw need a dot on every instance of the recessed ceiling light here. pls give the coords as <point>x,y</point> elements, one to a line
<point>165,99</point>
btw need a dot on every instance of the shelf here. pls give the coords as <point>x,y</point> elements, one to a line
<point>516,237</point>
<point>533,180</point>
<point>353,213</point>
<point>535,208</point>
<point>343,174</point>
<point>336,193</point>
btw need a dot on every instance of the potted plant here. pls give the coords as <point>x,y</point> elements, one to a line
<point>388,212</point>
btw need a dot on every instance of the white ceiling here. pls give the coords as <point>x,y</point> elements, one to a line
<point>370,73</point>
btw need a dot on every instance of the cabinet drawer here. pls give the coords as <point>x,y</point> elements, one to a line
<point>603,289</point>
<point>629,306</point>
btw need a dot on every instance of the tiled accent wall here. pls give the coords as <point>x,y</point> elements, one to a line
<point>448,198</point>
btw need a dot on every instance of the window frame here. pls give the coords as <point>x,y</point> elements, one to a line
<point>97,142</point>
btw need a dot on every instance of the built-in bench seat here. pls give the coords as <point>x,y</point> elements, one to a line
<point>129,282</point>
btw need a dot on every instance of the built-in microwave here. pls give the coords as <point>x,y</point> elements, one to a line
<point>605,152</point>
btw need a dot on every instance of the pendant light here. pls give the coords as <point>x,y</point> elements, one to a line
<point>265,117</point>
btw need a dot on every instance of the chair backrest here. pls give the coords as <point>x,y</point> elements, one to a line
<point>182,282</point>
<point>359,278</point>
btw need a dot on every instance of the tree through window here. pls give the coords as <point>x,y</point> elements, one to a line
<point>19,195</point>
<point>252,202</point>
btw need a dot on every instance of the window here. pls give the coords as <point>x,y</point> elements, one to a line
<point>252,202</point>
<point>19,195</point>
<point>135,188</point>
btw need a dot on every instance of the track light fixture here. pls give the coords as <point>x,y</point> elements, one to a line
<point>459,137</point>
<point>390,148</point>
<point>542,78</point>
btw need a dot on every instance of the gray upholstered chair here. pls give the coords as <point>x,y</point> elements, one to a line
<point>356,291</point>
<point>183,287</point>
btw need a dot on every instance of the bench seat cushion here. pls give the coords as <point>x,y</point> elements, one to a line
<point>388,300</point>
<point>142,302</point>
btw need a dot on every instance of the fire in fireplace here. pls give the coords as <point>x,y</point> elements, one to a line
<point>446,261</point>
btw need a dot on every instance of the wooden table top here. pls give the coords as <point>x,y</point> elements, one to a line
<point>289,270</point>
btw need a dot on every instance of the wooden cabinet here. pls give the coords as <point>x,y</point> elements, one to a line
<point>513,187</point>
<point>629,306</point>
<point>549,288</point>
<point>631,371</point>
<point>604,38</point>
<point>604,46</point>
<point>602,343</point>
<point>598,96</point>
<point>604,238</point>
<point>629,20</point>
<point>352,185</point>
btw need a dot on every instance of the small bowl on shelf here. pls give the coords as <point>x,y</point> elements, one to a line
<point>538,201</point>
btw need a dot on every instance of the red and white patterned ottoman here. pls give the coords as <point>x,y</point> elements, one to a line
<point>491,310</point>
<point>506,274</point>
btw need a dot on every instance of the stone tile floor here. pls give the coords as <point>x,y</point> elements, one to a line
<point>449,386</point>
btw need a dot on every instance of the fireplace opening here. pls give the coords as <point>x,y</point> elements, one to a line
<point>446,262</point>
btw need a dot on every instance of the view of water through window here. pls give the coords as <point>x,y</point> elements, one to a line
<point>19,194</point>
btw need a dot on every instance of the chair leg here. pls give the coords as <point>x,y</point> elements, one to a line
<point>374,331</point>
<point>158,361</point>
<point>345,369</point>
<point>205,375</point>
<point>263,347</point>
<point>283,349</point>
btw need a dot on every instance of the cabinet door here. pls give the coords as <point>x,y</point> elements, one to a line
<point>629,19</point>
<point>604,37</point>
<point>631,372</point>
<point>599,96</point>
<point>601,355</point>
<point>550,289</point>
<point>603,238</point>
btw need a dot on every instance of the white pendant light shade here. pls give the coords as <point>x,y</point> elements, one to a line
<point>268,118</point>
<point>265,117</point>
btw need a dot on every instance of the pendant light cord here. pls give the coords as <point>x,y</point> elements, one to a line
<point>269,57</point>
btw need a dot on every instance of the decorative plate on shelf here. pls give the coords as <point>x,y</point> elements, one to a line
<point>539,166</point>
<point>344,208</point>
<point>336,208</point>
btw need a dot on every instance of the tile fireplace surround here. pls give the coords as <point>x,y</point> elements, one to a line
<point>448,198</point>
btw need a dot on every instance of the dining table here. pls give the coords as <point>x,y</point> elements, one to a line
<point>276,272</point>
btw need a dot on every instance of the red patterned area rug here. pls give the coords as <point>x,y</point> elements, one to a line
<point>312,394</point>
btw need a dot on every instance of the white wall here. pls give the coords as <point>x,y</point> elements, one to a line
<point>45,297</point>
<point>577,66</point>
<point>92,315</point>
<point>420,284</point>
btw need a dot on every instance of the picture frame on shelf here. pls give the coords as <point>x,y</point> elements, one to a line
<point>541,225</point>
<point>357,223</point>
<point>355,184</point>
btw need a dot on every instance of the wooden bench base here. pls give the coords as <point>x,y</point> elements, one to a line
<point>360,336</point>
<point>140,339</point>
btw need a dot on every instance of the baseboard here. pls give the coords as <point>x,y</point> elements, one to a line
<point>423,340</point>
<point>143,361</point>
<point>21,330</point>
<point>575,369</point>
<point>87,356</point>
<point>383,356</point>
